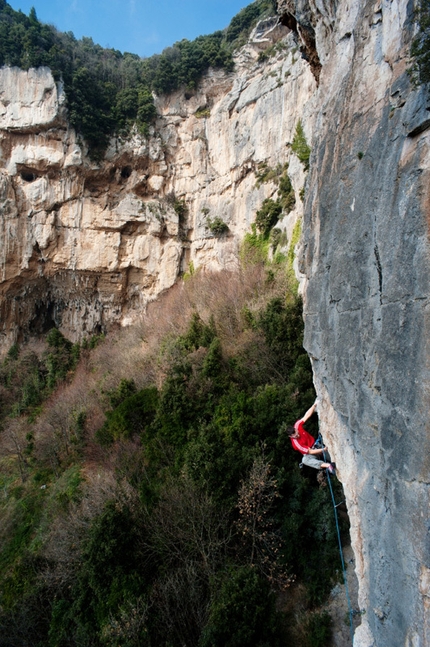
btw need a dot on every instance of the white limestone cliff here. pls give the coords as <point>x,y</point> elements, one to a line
<point>88,245</point>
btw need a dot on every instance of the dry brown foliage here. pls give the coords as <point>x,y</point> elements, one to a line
<point>145,352</point>
<point>63,544</point>
<point>13,442</point>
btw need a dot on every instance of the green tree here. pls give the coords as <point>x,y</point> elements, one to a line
<point>300,146</point>
<point>242,613</point>
<point>268,215</point>
<point>420,49</point>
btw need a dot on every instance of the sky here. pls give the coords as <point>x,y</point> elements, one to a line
<point>143,27</point>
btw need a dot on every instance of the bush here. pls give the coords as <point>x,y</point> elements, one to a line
<point>271,210</point>
<point>125,389</point>
<point>242,613</point>
<point>242,23</point>
<point>317,630</point>
<point>217,226</point>
<point>286,193</point>
<point>420,48</point>
<point>134,414</point>
<point>106,579</point>
<point>300,146</point>
<point>268,215</point>
<point>28,379</point>
<point>255,247</point>
<point>61,358</point>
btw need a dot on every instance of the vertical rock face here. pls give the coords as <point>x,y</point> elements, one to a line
<point>365,253</point>
<point>86,245</point>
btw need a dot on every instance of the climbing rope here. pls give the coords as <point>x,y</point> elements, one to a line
<point>335,505</point>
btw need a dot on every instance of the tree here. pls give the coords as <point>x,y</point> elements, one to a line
<point>242,612</point>
<point>16,441</point>
<point>420,49</point>
<point>256,525</point>
<point>188,526</point>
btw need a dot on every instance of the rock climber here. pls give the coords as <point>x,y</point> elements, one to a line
<point>303,442</point>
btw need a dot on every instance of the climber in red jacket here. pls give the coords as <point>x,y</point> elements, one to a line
<point>303,442</point>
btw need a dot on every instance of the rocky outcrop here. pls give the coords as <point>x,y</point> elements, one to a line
<point>365,253</point>
<point>86,245</point>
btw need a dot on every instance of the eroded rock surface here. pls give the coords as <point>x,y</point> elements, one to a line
<point>86,245</point>
<point>366,258</point>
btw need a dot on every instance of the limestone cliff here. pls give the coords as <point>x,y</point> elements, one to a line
<point>365,253</point>
<point>86,246</point>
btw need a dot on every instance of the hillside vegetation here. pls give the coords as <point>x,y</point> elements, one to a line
<point>108,91</point>
<point>149,493</point>
<point>420,49</point>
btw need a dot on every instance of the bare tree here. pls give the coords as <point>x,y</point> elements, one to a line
<point>15,442</point>
<point>257,528</point>
<point>181,599</point>
<point>187,526</point>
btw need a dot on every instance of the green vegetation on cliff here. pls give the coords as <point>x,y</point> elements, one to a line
<point>153,498</point>
<point>420,49</point>
<point>108,91</point>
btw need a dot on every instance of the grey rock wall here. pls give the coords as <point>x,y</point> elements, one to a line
<point>365,254</point>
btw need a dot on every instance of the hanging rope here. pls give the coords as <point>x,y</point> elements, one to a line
<point>350,609</point>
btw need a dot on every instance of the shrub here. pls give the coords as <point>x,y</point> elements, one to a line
<point>286,193</point>
<point>271,209</point>
<point>198,333</point>
<point>217,226</point>
<point>243,22</point>
<point>123,391</point>
<point>13,352</point>
<point>268,215</point>
<point>300,146</point>
<point>264,173</point>
<point>317,630</point>
<point>255,247</point>
<point>202,113</point>
<point>420,48</point>
<point>107,577</point>
<point>242,613</point>
<point>131,416</point>
<point>61,357</point>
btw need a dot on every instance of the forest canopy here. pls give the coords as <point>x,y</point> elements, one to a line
<point>150,495</point>
<point>107,90</point>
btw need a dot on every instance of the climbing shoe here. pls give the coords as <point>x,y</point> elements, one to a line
<point>331,468</point>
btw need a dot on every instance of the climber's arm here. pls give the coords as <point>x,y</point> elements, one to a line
<point>309,412</point>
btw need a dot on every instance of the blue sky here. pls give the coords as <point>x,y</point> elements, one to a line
<point>142,27</point>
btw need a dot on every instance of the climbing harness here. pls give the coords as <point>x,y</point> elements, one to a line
<point>351,611</point>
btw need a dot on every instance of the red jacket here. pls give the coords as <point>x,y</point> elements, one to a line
<point>305,441</point>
